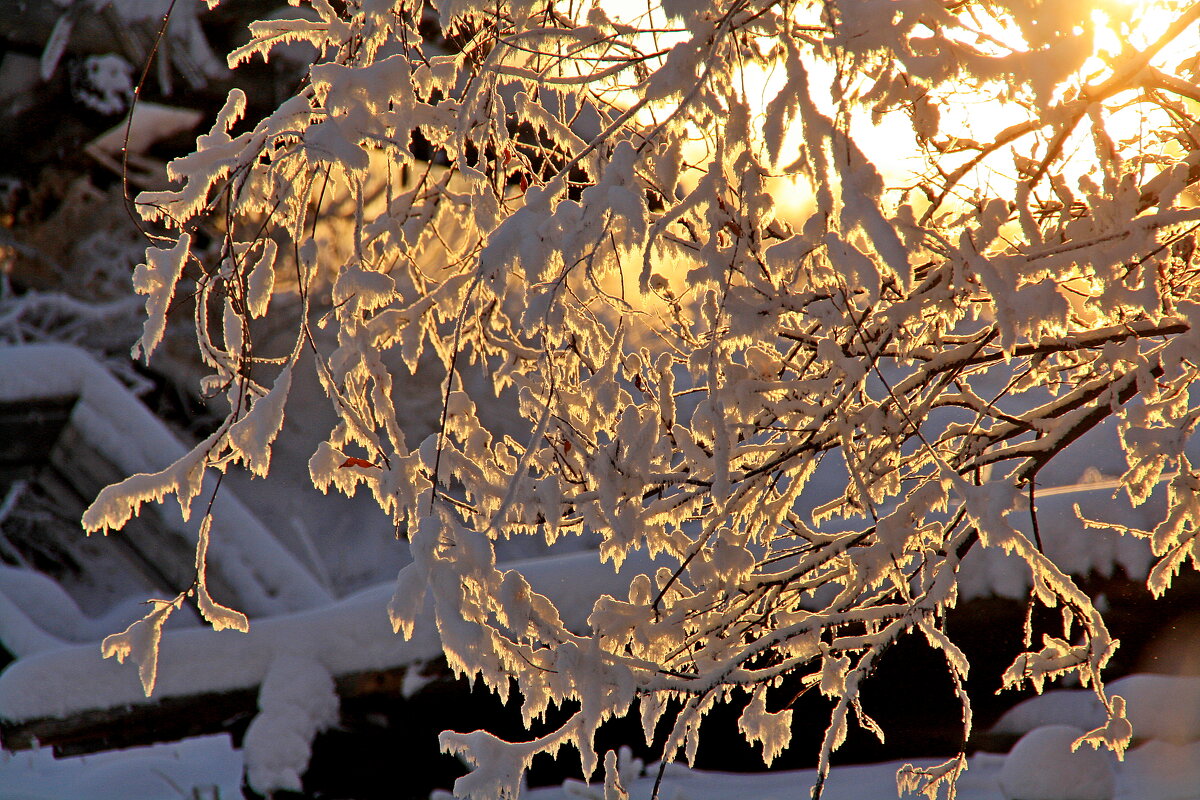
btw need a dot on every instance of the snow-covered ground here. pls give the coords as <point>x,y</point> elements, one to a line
<point>1155,771</point>
<point>1041,766</point>
<point>163,772</point>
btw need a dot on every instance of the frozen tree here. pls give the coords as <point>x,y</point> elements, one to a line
<point>708,250</point>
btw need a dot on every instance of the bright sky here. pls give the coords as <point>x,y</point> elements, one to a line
<point>890,142</point>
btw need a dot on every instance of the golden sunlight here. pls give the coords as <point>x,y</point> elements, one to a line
<point>1096,102</point>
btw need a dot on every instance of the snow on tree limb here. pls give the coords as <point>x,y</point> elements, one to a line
<point>157,279</point>
<point>217,615</point>
<point>585,212</point>
<point>140,642</point>
<point>117,504</point>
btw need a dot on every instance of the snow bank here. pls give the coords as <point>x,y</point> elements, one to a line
<point>208,765</point>
<point>1161,707</point>
<point>1155,771</point>
<point>353,635</point>
<point>1042,766</point>
<point>1161,771</point>
<point>37,614</point>
<point>294,659</point>
<point>870,782</point>
<point>268,578</point>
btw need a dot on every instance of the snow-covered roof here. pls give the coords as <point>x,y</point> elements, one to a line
<point>267,578</point>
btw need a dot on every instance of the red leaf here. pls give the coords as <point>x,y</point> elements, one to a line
<point>357,462</point>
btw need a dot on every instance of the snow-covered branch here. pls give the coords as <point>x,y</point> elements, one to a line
<point>674,290</point>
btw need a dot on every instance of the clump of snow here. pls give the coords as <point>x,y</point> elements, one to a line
<point>104,84</point>
<point>1115,734</point>
<point>297,700</point>
<point>1077,547</point>
<point>157,279</point>
<point>1042,766</point>
<point>772,730</point>
<point>140,642</point>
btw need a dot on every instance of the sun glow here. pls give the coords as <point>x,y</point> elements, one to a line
<point>1086,122</point>
<point>1071,86</point>
<point>1104,44</point>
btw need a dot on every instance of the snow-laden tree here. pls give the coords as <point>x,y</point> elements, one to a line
<point>707,250</point>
